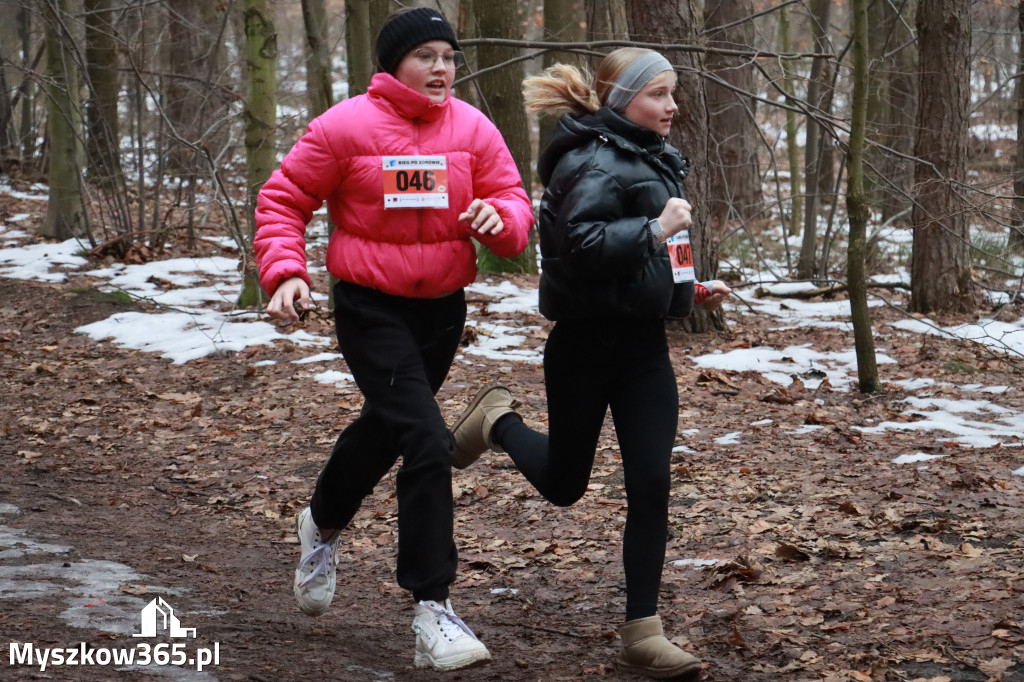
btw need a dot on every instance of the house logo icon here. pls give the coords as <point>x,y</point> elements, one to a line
<point>158,616</point>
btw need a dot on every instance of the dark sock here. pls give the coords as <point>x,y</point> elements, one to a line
<point>635,612</point>
<point>502,425</point>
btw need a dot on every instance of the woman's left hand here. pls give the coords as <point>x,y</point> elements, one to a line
<point>719,292</point>
<point>483,218</point>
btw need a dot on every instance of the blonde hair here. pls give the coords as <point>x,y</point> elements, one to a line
<point>566,89</point>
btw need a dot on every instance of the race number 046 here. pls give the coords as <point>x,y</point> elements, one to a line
<point>404,181</point>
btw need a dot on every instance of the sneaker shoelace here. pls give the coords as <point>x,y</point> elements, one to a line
<point>324,553</point>
<point>452,627</point>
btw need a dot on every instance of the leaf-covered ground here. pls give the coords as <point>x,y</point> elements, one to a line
<point>833,563</point>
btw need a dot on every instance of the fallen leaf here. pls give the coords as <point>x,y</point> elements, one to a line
<point>134,589</point>
<point>736,639</point>
<point>784,550</point>
<point>996,666</point>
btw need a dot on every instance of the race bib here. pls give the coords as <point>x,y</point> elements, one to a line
<point>415,182</point>
<point>681,255</point>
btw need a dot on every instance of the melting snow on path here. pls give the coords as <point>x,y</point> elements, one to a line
<point>194,324</point>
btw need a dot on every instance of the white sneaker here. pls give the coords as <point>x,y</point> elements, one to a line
<point>443,641</point>
<point>317,570</point>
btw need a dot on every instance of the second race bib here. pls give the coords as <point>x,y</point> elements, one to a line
<point>681,255</point>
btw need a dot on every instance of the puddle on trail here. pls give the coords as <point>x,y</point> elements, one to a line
<point>90,590</point>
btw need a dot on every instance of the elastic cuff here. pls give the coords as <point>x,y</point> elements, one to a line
<point>438,595</point>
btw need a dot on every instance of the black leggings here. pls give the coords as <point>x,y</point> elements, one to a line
<point>589,366</point>
<point>399,351</point>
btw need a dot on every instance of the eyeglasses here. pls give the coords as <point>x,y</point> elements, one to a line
<point>426,58</point>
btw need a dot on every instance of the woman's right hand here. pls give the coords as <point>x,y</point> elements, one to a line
<point>282,303</point>
<point>676,216</point>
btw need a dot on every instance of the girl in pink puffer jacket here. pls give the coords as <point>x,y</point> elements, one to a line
<point>411,177</point>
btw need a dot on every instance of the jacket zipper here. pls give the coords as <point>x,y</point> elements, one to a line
<point>419,211</point>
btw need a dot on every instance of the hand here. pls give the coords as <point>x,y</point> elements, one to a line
<point>289,292</point>
<point>483,218</point>
<point>676,216</point>
<point>719,291</point>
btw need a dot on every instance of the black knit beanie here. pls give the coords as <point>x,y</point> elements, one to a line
<point>407,30</point>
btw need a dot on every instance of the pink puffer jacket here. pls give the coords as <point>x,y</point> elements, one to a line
<point>412,252</point>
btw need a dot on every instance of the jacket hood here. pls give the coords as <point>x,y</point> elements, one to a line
<point>571,133</point>
<point>389,93</point>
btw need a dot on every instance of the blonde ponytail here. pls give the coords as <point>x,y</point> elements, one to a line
<point>560,89</point>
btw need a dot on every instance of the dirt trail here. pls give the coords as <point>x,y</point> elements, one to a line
<point>184,479</point>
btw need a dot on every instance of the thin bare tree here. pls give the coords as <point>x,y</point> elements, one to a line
<point>819,102</point>
<point>792,125</point>
<point>857,207</point>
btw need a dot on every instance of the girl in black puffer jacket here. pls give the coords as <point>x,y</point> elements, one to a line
<point>611,215</point>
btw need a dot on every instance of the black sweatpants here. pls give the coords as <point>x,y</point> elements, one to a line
<point>399,351</point>
<point>589,366</point>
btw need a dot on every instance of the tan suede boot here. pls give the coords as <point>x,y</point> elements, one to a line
<point>645,650</point>
<point>473,430</point>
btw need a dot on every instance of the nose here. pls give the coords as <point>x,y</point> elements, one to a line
<point>438,64</point>
<point>672,106</point>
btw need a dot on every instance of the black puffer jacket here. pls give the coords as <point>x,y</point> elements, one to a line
<point>606,178</point>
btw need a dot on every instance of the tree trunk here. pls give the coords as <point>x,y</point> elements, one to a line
<point>195,54</point>
<point>27,125</point>
<point>902,104</point>
<point>6,116</point>
<point>1016,240</point>
<point>736,186</point>
<point>318,57</point>
<point>792,128</point>
<point>359,37</point>
<point>8,76</point>
<point>676,22</point>
<point>875,182</point>
<point>103,131</point>
<point>260,121</point>
<point>857,207</point>
<point>892,105</point>
<point>65,213</point>
<point>318,83</point>
<point>503,103</point>
<point>940,267</point>
<point>816,97</point>
<point>468,30</point>
<point>606,20</point>
<point>827,152</point>
<point>561,24</point>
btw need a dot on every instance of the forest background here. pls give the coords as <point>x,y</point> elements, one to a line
<point>157,120</point>
<point>867,149</point>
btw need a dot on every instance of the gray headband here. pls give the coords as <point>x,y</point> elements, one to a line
<point>635,77</point>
